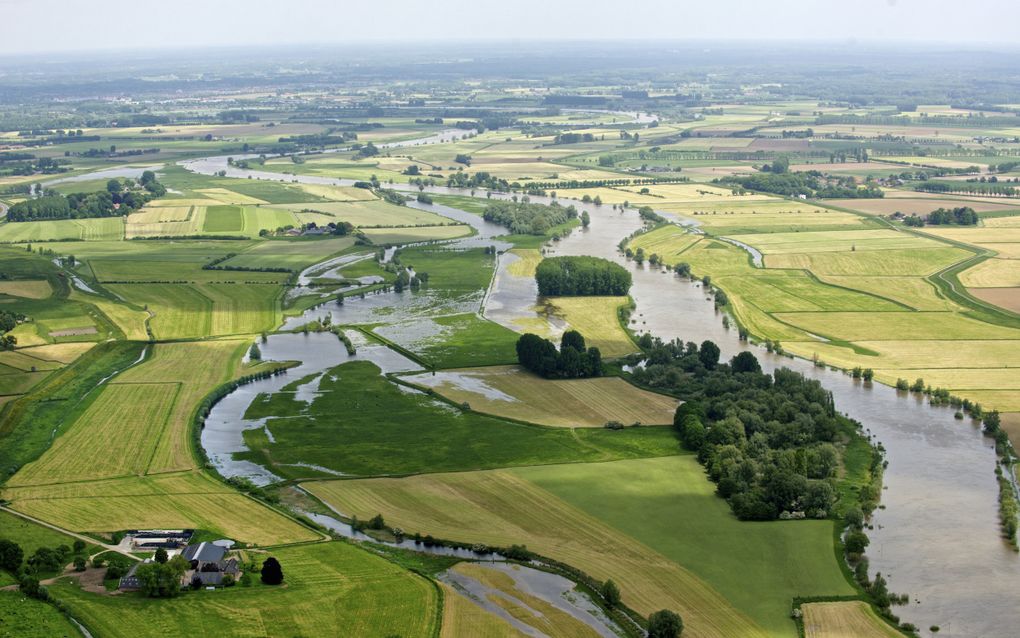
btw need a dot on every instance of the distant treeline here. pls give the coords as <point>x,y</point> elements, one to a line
<point>116,201</point>
<point>525,218</point>
<point>963,216</point>
<point>808,184</point>
<point>581,276</point>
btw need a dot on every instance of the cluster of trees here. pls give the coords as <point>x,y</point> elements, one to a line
<point>767,441</point>
<point>9,321</point>
<point>572,361</point>
<point>962,216</point>
<point>807,183</point>
<point>581,276</point>
<point>573,138</point>
<point>118,199</point>
<point>525,218</point>
<point>43,562</point>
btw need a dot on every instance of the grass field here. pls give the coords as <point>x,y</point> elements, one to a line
<point>594,317</point>
<point>328,586</point>
<point>882,263</point>
<point>668,242</point>
<point>294,253</point>
<point>864,326</point>
<point>792,291</point>
<point>452,439</point>
<point>223,219</point>
<point>526,263</point>
<point>115,436</point>
<point>163,501</point>
<point>411,234</point>
<point>98,229</point>
<point>915,292</point>
<point>454,341</point>
<point>653,525</point>
<point>372,213</point>
<point>836,241</point>
<point>190,311</point>
<point>509,391</point>
<point>23,617</point>
<point>27,288</point>
<point>848,619</point>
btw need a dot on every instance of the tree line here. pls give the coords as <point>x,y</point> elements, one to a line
<point>118,199</point>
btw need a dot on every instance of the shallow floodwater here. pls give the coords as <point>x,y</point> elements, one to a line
<point>937,535</point>
<point>222,436</point>
<point>557,591</point>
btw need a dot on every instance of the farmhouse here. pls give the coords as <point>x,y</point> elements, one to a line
<point>208,566</point>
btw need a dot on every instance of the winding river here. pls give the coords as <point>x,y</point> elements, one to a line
<point>936,535</point>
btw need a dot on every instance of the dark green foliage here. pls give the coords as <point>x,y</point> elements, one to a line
<point>765,440</point>
<point>107,203</point>
<point>962,216</point>
<point>523,218</point>
<point>665,624</point>
<point>610,593</point>
<point>809,184</point>
<point>11,556</point>
<point>272,572</point>
<point>571,361</point>
<point>581,276</point>
<point>162,580</point>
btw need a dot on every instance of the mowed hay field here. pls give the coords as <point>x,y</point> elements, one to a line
<point>845,619</point>
<point>98,229</point>
<point>597,318</point>
<point>370,213</point>
<point>125,461</point>
<point>509,391</point>
<point>411,234</point>
<point>181,311</point>
<point>668,242</point>
<point>499,508</point>
<point>330,589</point>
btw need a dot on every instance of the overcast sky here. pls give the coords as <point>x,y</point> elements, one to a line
<point>40,26</point>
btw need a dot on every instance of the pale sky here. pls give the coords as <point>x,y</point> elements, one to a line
<point>41,26</point>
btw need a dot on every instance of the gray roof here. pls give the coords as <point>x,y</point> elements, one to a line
<point>204,552</point>
<point>210,578</point>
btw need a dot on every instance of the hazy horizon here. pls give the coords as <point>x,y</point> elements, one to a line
<point>53,26</point>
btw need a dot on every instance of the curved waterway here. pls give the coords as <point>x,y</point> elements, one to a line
<point>936,536</point>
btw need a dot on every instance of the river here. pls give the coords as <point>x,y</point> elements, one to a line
<point>936,536</point>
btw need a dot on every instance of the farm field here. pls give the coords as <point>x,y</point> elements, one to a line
<point>26,617</point>
<point>412,234</point>
<point>293,254</point>
<point>370,213</point>
<point>328,585</point>
<point>668,242</point>
<point>594,317</point>
<point>509,391</point>
<point>1008,298</point>
<point>455,439</point>
<point>992,273</point>
<point>454,341</point>
<point>100,229</point>
<point>849,619</point>
<point>666,553</point>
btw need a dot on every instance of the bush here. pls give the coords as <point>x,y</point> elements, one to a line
<point>665,624</point>
<point>272,572</point>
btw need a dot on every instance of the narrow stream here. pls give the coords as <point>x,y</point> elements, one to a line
<point>936,536</point>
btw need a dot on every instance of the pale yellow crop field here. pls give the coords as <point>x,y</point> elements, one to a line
<point>369,213</point>
<point>844,619</point>
<point>594,317</point>
<point>915,292</point>
<point>862,326</point>
<point>398,235</point>
<point>226,196</point>
<point>510,391</point>
<point>898,262</point>
<point>526,263</point>
<point>338,193</point>
<point>668,242</point>
<point>992,273</point>
<point>837,241</point>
